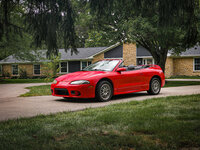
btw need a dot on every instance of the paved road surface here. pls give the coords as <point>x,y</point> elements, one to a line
<point>14,107</point>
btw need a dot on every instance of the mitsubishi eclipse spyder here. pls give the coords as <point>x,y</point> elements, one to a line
<point>105,78</point>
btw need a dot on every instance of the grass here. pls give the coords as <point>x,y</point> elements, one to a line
<point>38,91</point>
<point>159,123</point>
<point>185,77</point>
<point>10,81</point>
<point>45,89</point>
<point>181,83</point>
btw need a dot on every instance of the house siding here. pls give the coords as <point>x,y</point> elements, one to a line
<point>129,54</point>
<point>7,69</point>
<point>169,67</point>
<point>116,52</point>
<point>28,68</point>
<point>98,57</point>
<point>184,66</point>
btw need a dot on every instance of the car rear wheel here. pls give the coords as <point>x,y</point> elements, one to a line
<point>104,91</point>
<point>154,87</point>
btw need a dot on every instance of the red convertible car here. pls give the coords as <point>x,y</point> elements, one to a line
<point>109,77</point>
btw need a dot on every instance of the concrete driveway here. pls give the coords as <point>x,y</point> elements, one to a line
<point>12,106</point>
<point>14,90</point>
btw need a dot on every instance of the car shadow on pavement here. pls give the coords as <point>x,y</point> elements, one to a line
<point>78,100</point>
<point>131,95</point>
<point>93,100</point>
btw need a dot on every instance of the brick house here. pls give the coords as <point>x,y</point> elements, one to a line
<point>188,63</point>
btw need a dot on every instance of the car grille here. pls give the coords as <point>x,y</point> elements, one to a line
<point>61,91</point>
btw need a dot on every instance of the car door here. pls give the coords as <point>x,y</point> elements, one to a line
<point>143,82</point>
<point>128,81</point>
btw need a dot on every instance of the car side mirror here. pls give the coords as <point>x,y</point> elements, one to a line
<point>121,69</point>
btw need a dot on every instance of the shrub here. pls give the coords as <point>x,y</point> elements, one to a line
<point>50,68</point>
<point>6,74</point>
<point>23,74</point>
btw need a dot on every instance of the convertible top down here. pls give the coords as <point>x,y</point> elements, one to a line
<point>109,77</point>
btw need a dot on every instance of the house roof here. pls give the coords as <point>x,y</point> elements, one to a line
<point>142,52</point>
<point>83,53</point>
<point>194,51</point>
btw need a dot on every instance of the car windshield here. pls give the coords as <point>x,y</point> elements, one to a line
<point>104,65</point>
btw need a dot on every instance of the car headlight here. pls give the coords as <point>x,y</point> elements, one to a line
<point>80,82</point>
<point>54,81</point>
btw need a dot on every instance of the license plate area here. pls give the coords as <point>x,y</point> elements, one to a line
<point>60,91</point>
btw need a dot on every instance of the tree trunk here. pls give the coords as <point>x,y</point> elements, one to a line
<point>158,53</point>
<point>161,59</point>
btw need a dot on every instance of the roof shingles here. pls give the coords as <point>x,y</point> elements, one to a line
<point>83,53</point>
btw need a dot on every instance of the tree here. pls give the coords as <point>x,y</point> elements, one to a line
<point>49,21</point>
<point>46,21</point>
<point>7,7</point>
<point>50,68</point>
<point>98,39</point>
<point>13,38</point>
<point>86,27</point>
<point>157,25</point>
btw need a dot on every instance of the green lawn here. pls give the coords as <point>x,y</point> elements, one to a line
<point>9,81</point>
<point>159,123</point>
<point>185,77</point>
<point>38,91</point>
<point>181,83</point>
<point>45,89</point>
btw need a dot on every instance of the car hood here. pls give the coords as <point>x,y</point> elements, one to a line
<point>80,75</point>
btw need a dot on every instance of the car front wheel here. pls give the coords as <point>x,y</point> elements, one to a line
<point>104,91</point>
<point>154,86</point>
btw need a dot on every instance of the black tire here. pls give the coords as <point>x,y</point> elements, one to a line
<point>104,91</point>
<point>154,86</point>
<point>66,98</point>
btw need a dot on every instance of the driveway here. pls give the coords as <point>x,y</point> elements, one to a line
<point>14,90</point>
<point>14,107</point>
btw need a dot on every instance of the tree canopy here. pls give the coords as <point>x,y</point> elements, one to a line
<point>48,22</point>
<point>157,25</point>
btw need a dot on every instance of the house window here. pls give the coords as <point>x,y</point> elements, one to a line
<point>83,64</point>
<point>37,69</point>
<point>197,64</point>
<point>63,66</point>
<point>148,61</point>
<point>139,61</point>
<point>89,63</point>
<point>15,69</point>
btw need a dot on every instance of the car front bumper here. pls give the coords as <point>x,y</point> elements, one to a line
<point>65,89</point>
